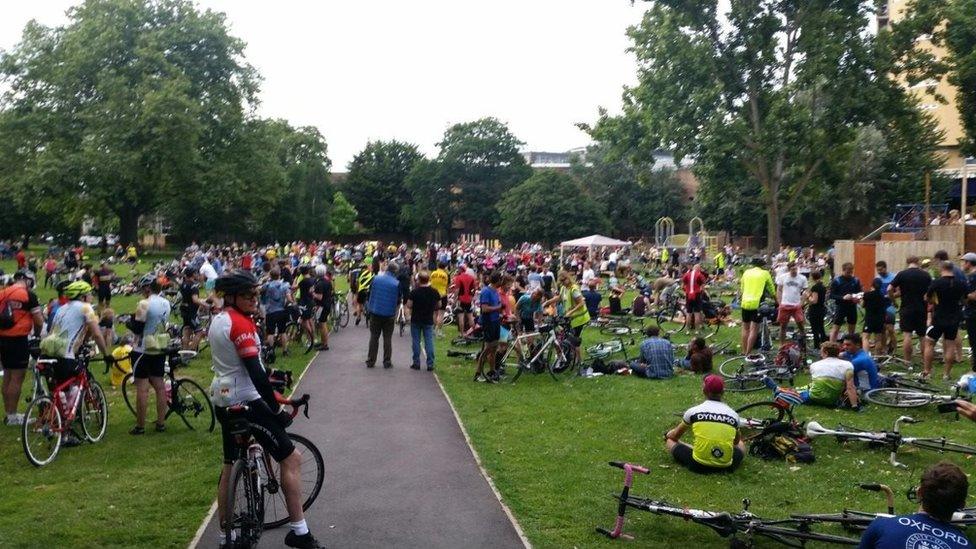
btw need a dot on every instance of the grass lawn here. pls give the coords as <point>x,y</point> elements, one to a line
<point>125,491</point>
<point>546,444</point>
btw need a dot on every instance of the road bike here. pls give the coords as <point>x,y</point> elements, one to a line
<point>401,317</point>
<point>607,349</point>
<point>552,351</point>
<point>340,312</point>
<point>48,418</point>
<point>185,397</point>
<point>757,417</point>
<point>903,392</point>
<point>892,440</point>
<point>254,498</point>
<point>740,528</point>
<point>746,373</point>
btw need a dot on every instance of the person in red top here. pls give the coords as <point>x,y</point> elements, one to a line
<point>21,259</point>
<point>14,349</point>
<point>247,262</point>
<point>693,283</point>
<point>464,284</point>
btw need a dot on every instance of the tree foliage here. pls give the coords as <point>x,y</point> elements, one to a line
<point>432,203</point>
<point>548,207</point>
<point>767,97</point>
<point>375,184</point>
<point>343,219</point>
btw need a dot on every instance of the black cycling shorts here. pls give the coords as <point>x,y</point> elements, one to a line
<point>693,305</point>
<point>750,315</point>
<point>190,321</point>
<point>948,331</point>
<point>874,325</point>
<point>528,325</point>
<point>911,320</point>
<point>362,297</point>
<point>14,353</point>
<point>324,311</point>
<point>145,366</point>
<point>492,331</point>
<point>277,322</point>
<point>307,311</point>
<point>264,426</point>
<point>846,314</point>
<point>444,303</point>
<point>683,454</point>
<point>465,307</point>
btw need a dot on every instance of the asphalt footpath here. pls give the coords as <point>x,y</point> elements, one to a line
<point>398,472</point>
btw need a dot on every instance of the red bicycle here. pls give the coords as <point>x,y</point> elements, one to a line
<point>50,417</point>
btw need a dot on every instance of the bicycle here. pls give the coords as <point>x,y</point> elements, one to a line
<point>755,418</point>
<point>607,349</point>
<point>553,352</point>
<point>254,488</point>
<point>746,373</point>
<point>340,312</point>
<point>401,317</point>
<point>48,418</point>
<point>904,393</point>
<point>791,532</point>
<point>186,398</point>
<point>891,439</point>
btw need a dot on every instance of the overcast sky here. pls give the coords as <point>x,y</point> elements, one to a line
<point>386,69</point>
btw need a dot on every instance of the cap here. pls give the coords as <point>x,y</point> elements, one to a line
<point>713,384</point>
<point>970,257</point>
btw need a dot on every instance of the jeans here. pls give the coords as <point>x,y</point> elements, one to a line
<point>427,330</point>
<point>377,325</point>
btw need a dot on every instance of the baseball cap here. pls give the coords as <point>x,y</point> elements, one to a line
<point>713,384</point>
<point>970,257</point>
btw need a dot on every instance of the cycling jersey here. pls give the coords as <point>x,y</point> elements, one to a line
<point>233,337</point>
<point>188,290</point>
<point>71,322</point>
<point>714,425</point>
<point>829,380</point>
<point>364,280</point>
<point>157,311</point>
<point>755,283</point>
<point>275,296</point>
<point>439,281</point>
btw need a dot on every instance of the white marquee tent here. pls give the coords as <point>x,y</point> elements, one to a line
<point>591,242</point>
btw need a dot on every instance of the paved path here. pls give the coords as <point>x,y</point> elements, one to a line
<point>398,472</point>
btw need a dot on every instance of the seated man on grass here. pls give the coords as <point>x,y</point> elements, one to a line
<point>831,379</point>
<point>715,426</point>
<point>656,360</point>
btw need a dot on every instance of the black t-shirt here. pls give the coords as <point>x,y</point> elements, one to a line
<point>874,306</point>
<point>187,291</point>
<point>913,283</point>
<point>425,300</point>
<point>287,276</point>
<point>821,291</point>
<point>948,293</point>
<point>305,290</point>
<point>323,286</point>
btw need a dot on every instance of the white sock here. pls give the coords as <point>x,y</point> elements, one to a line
<point>300,528</point>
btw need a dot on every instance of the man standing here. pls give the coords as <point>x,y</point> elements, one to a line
<point>946,294</point>
<point>969,266</point>
<point>844,290</point>
<point>754,284</point>
<point>323,294</point>
<point>464,284</point>
<point>105,278</point>
<point>789,293</point>
<point>491,327</point>
<point>422,303</point>
<point>20,299</point>
<point>384,293</point>
<point>910,285</point>
<point>440,281</point>
<point>889,320</point>
<point>148,353</point>
<point>693,282</point>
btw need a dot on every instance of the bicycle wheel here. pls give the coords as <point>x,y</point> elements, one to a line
<point>849,520</point>
<point>890,363</point>
<point>898,397</point>
<point>797,537</point>
<point>941,445</point>
<point>670,320</point>
<point>129,392</point>
<point>616,329</point>
<point>193,405</point>
<point>94,412</point>
<point>738,366</point>
<point>244,507</point>
<point>41,432</point>
<point>293,330</point>
<point>313,475</point>
<point>756,416</point>
<point>343,319</point>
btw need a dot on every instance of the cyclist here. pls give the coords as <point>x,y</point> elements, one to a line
<point>306,301</point>
<point>353,279</point>
<point>791,286</point>
<point>755,283</point>
<point>942,493</point>
<point>25,319</point>
<point>440,280</point>
<point>718,446</point>
<point>830,379</point>
<point>190,304</point>
<point>275,296</point>
<point>148,324</point>
<point>324,294</point>
<point>693,282</point>
<point>946,295</point>
<point>465,285</point>
<point>846,291</point>
<point>240,378</point>
<point>911,284</point>
<point>363,283</point>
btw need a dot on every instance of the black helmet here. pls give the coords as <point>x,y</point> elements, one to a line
<point>62,286</point>
<point>235,282</point>
<point>147,280</point>
<point>189,271</point>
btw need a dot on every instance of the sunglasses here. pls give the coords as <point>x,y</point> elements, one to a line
<point>249,296</point>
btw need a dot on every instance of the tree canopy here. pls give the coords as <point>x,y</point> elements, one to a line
<point>375,184</point>
<point>550,206</point>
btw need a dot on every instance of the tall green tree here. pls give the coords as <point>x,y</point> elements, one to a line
<point>548,207</point>
<point>432,202</point>
<point>303,210</point>
<point>343,219</point>
<point>481,161</point>
<point>375,184</point>
<point>763,93</point>
<point>130,102</point>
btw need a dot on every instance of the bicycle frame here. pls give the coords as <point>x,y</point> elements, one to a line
<point>893,439</point>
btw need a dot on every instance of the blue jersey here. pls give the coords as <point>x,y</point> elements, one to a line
<point>865,370</point>
<point>489,296</point>
<point>918,531</point>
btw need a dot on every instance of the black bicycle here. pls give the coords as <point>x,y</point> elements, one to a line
<point>740,528</point>
<point>186,398</point>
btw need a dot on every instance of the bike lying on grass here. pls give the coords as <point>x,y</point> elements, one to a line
<point>893,440</point>
<point>740,528</point>
<point>904,392</point>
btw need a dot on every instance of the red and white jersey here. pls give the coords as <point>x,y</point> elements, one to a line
<point>692,281</point>
<point>233,337</point>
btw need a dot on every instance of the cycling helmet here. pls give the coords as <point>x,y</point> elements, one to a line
<point>320,270</point>
<point>62,286</point>
<point>235,282</point>
<point>147,280</point>
<point>77,289</point>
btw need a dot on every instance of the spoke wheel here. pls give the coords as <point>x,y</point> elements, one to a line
<point>313,477</point>
<point>193,405</point>
<point>41,432</point>
<point>129,392</point>
<point>94,413</point>
<point>898,397</point>
<point>343,314</point>
<point>244,508</point>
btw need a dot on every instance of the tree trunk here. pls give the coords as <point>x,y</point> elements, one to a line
<point>774,221</point>
<point>129,227</point>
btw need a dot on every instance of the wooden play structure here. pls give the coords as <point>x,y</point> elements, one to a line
<point>696,236</point>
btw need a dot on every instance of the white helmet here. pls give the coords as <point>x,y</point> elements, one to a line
<point>320,270</point>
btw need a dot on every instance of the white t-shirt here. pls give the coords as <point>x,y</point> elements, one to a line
<point>208,271</point>
<point>831,367</point>
<point>613,257</point>
<point>587,275</point>
<point>793,287</point>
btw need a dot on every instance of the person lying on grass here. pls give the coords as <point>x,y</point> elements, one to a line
<point>831,379</point>
<point>715,426</point>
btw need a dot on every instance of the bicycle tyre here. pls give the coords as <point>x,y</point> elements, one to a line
<point>941,445</point>
<point>193,403</point>
<point>402,324</point>
<point>778,533</point>
<point>128,386</point>
<point>42,419</point>
<point>616,330</point>
<point>93,406</point>
<point>735,367</point>
<point>293,330</point>
<point>343,314</point>
<point>310,455</point>
<point>898,397</point>
<point>249,521</point>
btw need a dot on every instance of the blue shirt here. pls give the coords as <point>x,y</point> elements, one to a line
<point>917,531</point>
<point>275,295</point>
<point>384,294</point>
<point>592,300</point>
<point>865,370</point>
<point>489,296</point>
<point>885,282</point>
<point>658,355</point>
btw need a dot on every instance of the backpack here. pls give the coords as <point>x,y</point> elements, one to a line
<point>781,440</point>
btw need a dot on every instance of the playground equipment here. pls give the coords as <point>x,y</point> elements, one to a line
<point>695,237</point>
<point>663,231</point>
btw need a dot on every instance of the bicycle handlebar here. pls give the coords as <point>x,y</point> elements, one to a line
<point>889,495</point>
<point>631,466</point>
<point>295,403</point>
